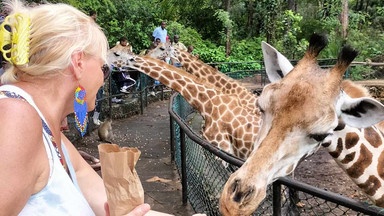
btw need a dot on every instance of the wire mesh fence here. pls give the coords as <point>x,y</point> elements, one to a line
<point>207,168</point>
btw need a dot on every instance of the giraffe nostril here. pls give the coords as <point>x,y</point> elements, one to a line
<point>238,197</point>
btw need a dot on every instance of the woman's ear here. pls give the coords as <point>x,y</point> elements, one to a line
<point>77,64</point>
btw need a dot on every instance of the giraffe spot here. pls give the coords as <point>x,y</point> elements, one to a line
<point>249,125</point>
<point>348,158</point>
<point>219,137</point>
<point>372,137</point>
<point>211,79</point>
<point>208,107</point>
<point>244,112</point>
<point>242,120</point>
<point>351,140</point>
<point>340,126</point>
<point>211,93</point>
<point>217,78</point>
<point>183,55</point>
<point>198,64</point>
<point>201,88</point>
<point>199,106</point>
<point>226,100</point>
<point>175,86</point>
<point>238,90</point>
<point>380,202</point>
<point>249,118</point>
<point>228,86</point>
<point>216,100</point>
<point>242,156</point>
<point>202,73</point>
<point>242,95</point>
<point>192,89</point>
<point>156,68</point>
<point>380,166</point>
<point>240,133</point>
<point>177,76</point>
<point>227,117</point>
<point>371,185</point>
<point>235,123</point>
<point>215,114</point>
<point>364,160</point>
<point>188,60</point>
<point>326,145</point>
<point>339,148</point>
<point>186,95</point>
<point>182,82</point>
<point>202,97</point>
<point>166,82</point>
<point>222,81</point>
<point>151,64</point>
<point>248,142</point>
<point>222,109</point>
<point>167,74</point>
<point>146,70</point>
<point>233,91</point>
<point>194,67</point>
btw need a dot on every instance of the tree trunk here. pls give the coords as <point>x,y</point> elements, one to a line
<point>292,5</point>
<point>228,31</point>
<point>344,19</point>
<point>250,17</point>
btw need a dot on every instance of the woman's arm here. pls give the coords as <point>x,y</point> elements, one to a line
<point>24,166</point>
<point>89,181</point>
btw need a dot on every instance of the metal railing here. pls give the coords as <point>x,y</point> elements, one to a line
<point>203,174</point>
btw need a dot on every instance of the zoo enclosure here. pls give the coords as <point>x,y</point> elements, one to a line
<point>204,175</point>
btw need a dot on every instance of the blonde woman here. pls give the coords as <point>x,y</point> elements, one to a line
<point>41,172</point>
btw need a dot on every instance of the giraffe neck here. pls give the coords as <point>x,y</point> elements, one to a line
<point>360,153</point>
<point>228,125</point>
<point>221,81</point>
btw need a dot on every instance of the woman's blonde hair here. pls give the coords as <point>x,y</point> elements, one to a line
<point>57,31</point>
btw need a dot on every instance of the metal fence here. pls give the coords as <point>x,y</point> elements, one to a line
<point>200,165</point>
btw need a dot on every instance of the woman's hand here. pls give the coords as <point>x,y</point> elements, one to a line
<point>140,210</point>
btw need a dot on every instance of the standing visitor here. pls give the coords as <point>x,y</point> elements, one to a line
<point>160,32</point>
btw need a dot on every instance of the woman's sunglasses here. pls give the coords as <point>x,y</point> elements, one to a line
<point>106,71</point>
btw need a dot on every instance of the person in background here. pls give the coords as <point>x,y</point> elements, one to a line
<point>190,50</point>
<point>41,171</point>
<point>177,44</point>
<point>160,32</point>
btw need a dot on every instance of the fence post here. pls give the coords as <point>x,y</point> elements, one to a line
<point>110,95</point>
<point>276,187</point>
<point>172,141</point>
<point>183,167</point>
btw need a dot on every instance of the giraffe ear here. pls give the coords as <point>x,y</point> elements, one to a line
<point>277,66</point>
<point>360,112</point>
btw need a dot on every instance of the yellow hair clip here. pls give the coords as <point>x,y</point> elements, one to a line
<point>15,43</point>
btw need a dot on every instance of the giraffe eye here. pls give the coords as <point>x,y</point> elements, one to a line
<point>162,48</point>
<point>319,137</point>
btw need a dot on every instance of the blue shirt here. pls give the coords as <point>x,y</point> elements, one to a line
<point>160,33</point>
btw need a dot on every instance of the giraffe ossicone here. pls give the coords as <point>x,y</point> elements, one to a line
<point>301,110</point>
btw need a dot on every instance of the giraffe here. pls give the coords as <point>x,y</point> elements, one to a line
<point>228,124</point>
<point>203,71</point>
<point>301,112</point>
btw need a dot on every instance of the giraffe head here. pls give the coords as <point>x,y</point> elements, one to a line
<point>162,51</point>
<point>299,113</point>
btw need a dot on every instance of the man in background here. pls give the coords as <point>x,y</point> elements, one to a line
<point>178,45</point>
<point>160,32</point>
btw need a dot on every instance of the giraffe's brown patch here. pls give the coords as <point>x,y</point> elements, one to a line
<point>201,88</point>
<point>228,86</point>
<point>215,115</point>
<point>226,100</point>
<point>218,78</point>
<point>151,64</point>
<point>216,100</point>
<point>348,158</point>
<point>157,68</point>
<point>202,73</point>
<point>339,148</point>
<point>248,142</point>
<point>166,82</point>
<point>146,70</point>
<point>192,90</point>
<point>194,66</point>
<point>240,133</point>
<point>222,109</point>
<point>206,70</point>
<point>188,60</point>
<point>222,81</point>
<point>182,82</point>
<point>233,91</point>
<point>232,106</point>
<point>242,95</point>
<point>371,185</point>
<point>211,79</point>
<point>351,140</point>
<point>198,106</point>
<point>177,76</point>
<point>227,117</point>
<point>219,137</point>
<point>211,93</point>
<point>186,95</point>
<point>247,97</point>
<point>237,111</point>
<point>235,123</point>
<point>249,125</point>
<point>184,56</point>
<point>380,165</point>
<point>167,74</point>
<point>326,144</point>
<point>372,137</point>
<point>241,155</point>
<point>244,150</point>
<point>175,86</point>
<point>202,97</point>
<point>238,90</point>
<point>380,202</point>
<point>249,118</point>
<point>364,160</point>
<point>208,107</point>
<point>242,120</point>
<point>340,126</point>
<point>244,112</point>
